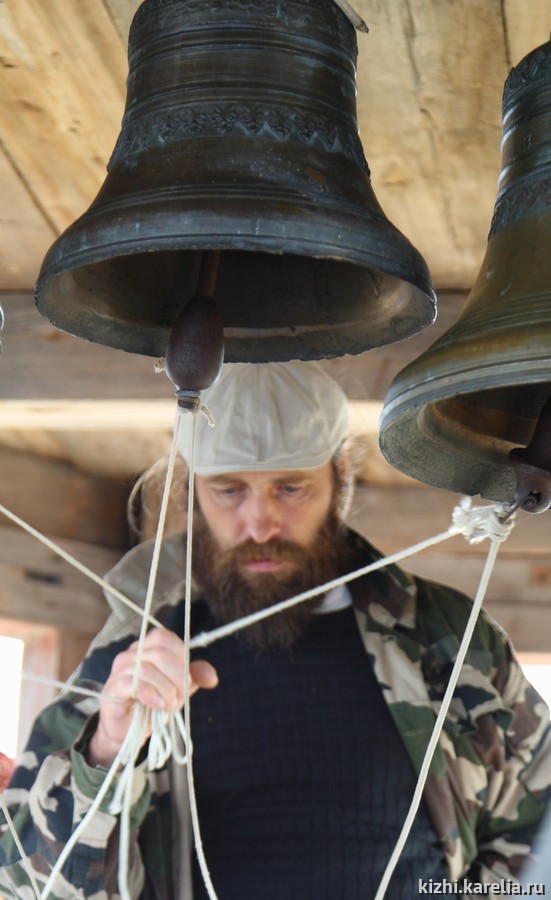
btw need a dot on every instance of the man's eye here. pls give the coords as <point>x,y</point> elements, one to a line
<point>290,488</point>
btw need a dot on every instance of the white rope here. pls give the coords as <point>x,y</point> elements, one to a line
<point>187,711</point>
<point>480,522</point>
<point>474,525</point>
<point>65,686</point>
<point>163,741</point>
<point>127,757</point>
<point>153,570</point>
<point>122,800</point>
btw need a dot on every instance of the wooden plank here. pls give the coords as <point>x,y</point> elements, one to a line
<point>41,362</point>
<point>25,234</point>
<point>38,362</point>
<point>41,657</point>
<point>122,13</point>
<point>40,588</point>
<point>120,455</point>
<point>89,415</point>
<point>525,32</point>
<point>62,98</point>
<point>394,518</point>
<point>120,439</point>
<point>55,498</point>
<point>516,579</point>
<point>431,120</point>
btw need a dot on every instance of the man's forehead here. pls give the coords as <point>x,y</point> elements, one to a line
<point>275,476</point>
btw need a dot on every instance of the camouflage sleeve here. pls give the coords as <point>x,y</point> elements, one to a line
<point>50,792</point>
<point>519,776</point>
<point>490,778</point>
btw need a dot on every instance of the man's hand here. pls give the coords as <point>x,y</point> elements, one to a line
<point>160,686</point>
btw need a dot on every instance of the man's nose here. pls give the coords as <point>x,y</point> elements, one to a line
<point>262,521</point>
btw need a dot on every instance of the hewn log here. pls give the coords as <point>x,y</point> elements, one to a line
<point>39,362</point>
<point>38,586</point>
<point>394,518</point>
<point>56,499</point>
<point>63,88</point>
<point>430,84</point>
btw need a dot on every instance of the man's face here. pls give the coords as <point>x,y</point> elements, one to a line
<point>261,537</point>
<point>263,506</point>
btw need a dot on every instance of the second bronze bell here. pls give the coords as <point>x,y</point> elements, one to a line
<point>452,417</point>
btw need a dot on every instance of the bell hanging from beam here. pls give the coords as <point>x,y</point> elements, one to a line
<point>240,138</point>
<point>471,413</point>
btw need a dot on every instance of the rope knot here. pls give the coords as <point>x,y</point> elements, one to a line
<point>190,401</point>
<point>480,522</point>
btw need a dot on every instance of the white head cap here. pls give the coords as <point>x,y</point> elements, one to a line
<point>268,416</point>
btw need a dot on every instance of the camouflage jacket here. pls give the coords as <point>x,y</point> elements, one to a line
<point>487,788</point>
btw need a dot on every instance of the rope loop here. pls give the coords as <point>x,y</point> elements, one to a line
<point>163,743</point>
<point>481,522</point>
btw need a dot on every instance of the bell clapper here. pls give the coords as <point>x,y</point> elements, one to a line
<point>532,465</point>
<point>195,349</point>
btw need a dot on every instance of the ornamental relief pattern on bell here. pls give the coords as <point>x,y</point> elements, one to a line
<point>278,123</point>
<point>521,201</point>
<point>533,69</point>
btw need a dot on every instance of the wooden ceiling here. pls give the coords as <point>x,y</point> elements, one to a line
<point>78,421</point>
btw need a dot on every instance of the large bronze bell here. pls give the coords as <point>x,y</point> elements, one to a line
<point>452,417</point>
<point>239,135</point>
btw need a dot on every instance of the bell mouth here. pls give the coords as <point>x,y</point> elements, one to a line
<point>462,442</point>
<point>273,306</point>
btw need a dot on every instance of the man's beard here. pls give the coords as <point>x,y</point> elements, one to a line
<point>232,593</point>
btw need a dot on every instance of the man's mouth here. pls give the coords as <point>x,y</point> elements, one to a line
<point>265,565</point>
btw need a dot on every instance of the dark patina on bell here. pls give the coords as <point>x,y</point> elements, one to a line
<point>460,415</point>
<point>239,135</point>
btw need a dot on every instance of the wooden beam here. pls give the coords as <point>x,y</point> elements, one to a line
<point>518,595</point>
<point>431,120</point>
<point>89,415</point>
<point>39,587</point>
<point>63,77</point>
<point>394,518</point>
<point>25,234</point>
<point>56,499</point>
<point>122,12</point>
<point>39,362</point>
<point>517,581</point>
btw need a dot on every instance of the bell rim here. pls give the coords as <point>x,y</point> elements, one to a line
<point>464,465</point>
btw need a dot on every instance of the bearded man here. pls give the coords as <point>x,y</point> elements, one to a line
<point>311,725</point>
